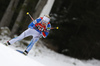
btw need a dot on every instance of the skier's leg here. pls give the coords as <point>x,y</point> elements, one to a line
<point>36,35</point>
<point>20,37</point>
<point>33,41</point>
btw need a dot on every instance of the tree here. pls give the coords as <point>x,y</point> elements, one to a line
<point>37,12</point>
<point>39,8</point>
<point>79,31</point>
<point>19,18</point>
<point>6,19</point>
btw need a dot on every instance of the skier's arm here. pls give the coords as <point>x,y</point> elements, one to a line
<point>46,32</point>
<point>32,24</point>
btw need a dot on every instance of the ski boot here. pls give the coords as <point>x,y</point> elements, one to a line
<point>25,52</point>
<point>7,43</point>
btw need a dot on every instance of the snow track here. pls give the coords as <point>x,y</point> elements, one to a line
<point>10,57</point>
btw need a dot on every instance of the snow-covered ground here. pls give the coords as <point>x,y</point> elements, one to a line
<point>9,57</point>
<point>41,55</point>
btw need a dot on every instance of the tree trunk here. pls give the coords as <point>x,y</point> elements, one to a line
<point>19,19</point>
<point>47,8</point>
<point>39,8</point>
<point>6,19</point>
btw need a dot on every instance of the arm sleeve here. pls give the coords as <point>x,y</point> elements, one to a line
<point>32,24</point>
<point>48,27</point>
<point>39,19</point>
<point>46,33</point>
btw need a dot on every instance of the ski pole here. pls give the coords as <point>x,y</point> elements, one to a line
<point>33,20</point>
<point>30,15</point>
<point>54,27</point>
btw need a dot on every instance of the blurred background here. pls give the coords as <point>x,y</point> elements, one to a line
<point>78,35</point>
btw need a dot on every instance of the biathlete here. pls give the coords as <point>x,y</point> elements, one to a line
<point>37,28</point>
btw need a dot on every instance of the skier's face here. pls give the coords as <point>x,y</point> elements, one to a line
<point>44,23</point>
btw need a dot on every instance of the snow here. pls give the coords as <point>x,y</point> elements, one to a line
<point>38,56</point>
<point>10,57</point>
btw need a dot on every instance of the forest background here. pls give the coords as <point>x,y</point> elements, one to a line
<point>78,21</point>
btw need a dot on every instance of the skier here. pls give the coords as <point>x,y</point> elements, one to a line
<point>37,28</point>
